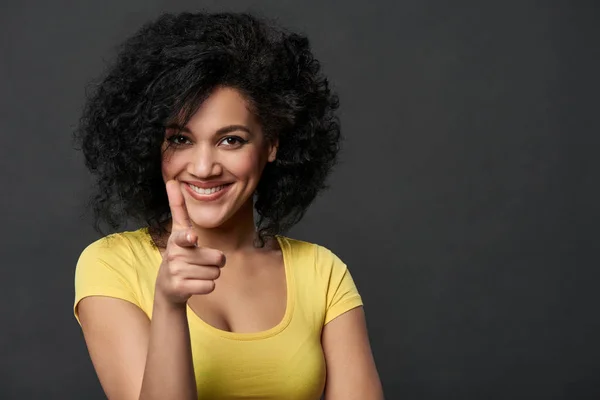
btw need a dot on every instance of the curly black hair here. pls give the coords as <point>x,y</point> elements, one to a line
<point>164,72</point>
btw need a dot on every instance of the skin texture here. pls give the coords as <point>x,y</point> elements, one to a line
<point>208,256</point>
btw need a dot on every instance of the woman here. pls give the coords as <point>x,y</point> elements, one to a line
<point>203,119</point>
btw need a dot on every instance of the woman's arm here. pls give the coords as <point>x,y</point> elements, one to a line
<point>351,371</point>
<point>130,354</point>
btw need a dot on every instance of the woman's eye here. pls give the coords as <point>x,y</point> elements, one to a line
<point>233,141</point>
<point>177,139</point>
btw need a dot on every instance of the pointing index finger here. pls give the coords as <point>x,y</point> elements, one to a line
<point>181,220</point>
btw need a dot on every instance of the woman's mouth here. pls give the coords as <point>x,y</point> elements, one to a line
<point>207,194</point>
<point>206,191</point>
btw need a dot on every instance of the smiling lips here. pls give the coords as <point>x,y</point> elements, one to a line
<point>206,191</point>
<point>209,193</point>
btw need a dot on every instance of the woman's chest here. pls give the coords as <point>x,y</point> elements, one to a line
<point>289,365</point>
<point>247,298</point>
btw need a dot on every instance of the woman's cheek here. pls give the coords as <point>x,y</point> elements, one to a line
<point>169,166</point>
<point>244,164</point>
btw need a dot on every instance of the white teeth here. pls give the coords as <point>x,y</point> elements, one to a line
<point>206,191</point>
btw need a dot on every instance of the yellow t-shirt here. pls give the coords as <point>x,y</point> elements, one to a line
<point>284,362</point>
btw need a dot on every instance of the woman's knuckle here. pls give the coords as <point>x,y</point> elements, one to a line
<point>207,286</point>
<point>179,286</point>
<point>175,269</point>
<point>170,256</point>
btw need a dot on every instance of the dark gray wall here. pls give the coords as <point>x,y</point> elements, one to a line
<point>466,204</point>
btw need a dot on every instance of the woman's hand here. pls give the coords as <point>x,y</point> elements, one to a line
<point>187,268</point>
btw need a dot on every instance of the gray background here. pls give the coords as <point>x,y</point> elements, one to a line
<point>466,203</point>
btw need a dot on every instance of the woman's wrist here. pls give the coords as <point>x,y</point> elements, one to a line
<point>162,304</point>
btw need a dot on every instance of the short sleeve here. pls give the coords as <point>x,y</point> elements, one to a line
<point>342,294</point>
<point>105,268</point>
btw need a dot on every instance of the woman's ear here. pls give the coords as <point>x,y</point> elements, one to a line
<point>273,145</point>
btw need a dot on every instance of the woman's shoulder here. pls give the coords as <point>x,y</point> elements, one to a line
<point>313,253</point>
<point>118,246</point>
<point>298,247</point>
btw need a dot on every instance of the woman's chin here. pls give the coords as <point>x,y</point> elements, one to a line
<point>209,220</point>
<point>205,223</point>
<point>219,216</point>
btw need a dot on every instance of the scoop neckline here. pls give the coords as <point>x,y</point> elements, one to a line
<point>195,320</point>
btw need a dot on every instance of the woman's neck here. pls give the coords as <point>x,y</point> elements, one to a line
<point>238,234</point>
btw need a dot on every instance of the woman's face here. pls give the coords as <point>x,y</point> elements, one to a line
<point>218,157</point>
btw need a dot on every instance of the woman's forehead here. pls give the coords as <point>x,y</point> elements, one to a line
<point>221,103</point>
<point>224,107</point>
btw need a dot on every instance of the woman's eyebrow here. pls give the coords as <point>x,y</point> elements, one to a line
<point>221,131</point>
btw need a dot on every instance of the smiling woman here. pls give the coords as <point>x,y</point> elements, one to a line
<point>206,155</point>
<point>202,120</point>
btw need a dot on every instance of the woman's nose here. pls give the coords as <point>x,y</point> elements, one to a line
<point>204,163</point>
